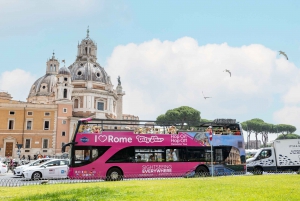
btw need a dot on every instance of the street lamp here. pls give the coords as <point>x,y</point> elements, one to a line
<point>19,146</point>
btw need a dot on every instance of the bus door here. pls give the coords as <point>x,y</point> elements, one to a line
<point>85,160</point>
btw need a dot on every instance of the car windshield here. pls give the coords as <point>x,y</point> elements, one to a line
<point>55,163</point>
<point>38,162</point>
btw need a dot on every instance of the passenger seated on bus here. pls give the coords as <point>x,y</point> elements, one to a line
<point>138,158</point>
<point>172,130</point>
<point>173,155</point>
<point>224,130</point>
<point>87,129</point>
<point>96,129</point>
<point>156,131</point>
<point>229,131</point>
<point>148,130</point>
<point>237,132</point>
<point>218,131</point>
<point>81,128</point>
<point>209,129</point>
<point>87,156</point>
<point>151,158</point>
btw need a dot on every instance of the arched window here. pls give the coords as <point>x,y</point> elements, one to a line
<point>85,50</point>
<point>76,103</point>
<point>51,67</point>
<point>54,69</point>
<point>65,93</point>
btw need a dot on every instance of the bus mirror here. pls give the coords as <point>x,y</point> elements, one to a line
<point>63,149</point>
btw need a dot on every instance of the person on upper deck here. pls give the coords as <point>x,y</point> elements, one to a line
<point>209,129</point>
<point>237,132</point>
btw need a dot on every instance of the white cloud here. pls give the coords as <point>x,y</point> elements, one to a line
<point>288,115</point>
<point>17,83</point>
<point>161,75</point>
<point>293,95</point>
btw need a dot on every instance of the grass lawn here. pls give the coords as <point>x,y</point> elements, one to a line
<point>265,187</point>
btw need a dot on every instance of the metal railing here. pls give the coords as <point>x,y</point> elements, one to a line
<point>19,181</point>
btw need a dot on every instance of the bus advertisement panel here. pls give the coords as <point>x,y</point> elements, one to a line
<point>116,154</point>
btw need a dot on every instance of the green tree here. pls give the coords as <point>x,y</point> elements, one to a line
<point>253,126</point>
<point>285,129</point>
<point>162,119</point>
<point>288,136</point>
<point>258,126</point>
<point>249,127</point>
<point>182,115</point>
<point>266,129</point>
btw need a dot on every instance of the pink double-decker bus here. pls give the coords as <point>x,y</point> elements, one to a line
<point>116,149</point>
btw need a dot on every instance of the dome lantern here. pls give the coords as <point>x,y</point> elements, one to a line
<point>87,49</point>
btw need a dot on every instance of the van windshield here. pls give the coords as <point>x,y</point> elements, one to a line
<point>257,153</point>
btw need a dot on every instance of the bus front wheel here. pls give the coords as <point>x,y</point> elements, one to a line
<point>201,171</point>
<point>114,174</point>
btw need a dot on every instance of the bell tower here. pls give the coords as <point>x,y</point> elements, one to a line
<point>64,87</point>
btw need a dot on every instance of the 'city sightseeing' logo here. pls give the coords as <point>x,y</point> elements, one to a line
<point>151,139</point>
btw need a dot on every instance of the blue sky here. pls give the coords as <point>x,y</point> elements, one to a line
<point>31,30</point>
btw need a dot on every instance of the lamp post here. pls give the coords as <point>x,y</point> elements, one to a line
<point>19,146</point>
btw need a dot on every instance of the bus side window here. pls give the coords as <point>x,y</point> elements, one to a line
<point>123,155</point>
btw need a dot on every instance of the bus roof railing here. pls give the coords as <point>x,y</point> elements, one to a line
<point>134,122</point>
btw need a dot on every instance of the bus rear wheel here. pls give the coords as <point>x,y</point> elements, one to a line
<point>114,174</point>
<point>201,171</point>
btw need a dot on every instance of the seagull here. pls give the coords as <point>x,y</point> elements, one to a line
<point>205,97</point>
<point>284,54</point>
<point>228,71</point>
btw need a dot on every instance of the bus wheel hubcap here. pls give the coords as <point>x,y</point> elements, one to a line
<point>114,175</point>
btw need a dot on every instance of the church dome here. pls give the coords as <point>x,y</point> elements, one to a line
<point>43,86</point>
<point>88,71</point>
<point>64,71</point>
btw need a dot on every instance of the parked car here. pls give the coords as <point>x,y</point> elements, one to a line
<point>18,171</point>
<point>3,168</point>
<point>55,168</point>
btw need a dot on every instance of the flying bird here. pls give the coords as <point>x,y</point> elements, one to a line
<point>228,71</point>
<point>205,97</point>
<point>284,54</point>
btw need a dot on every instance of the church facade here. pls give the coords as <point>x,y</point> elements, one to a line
<point>55,103</point>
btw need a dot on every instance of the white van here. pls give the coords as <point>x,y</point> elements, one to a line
<point>283,155</point>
